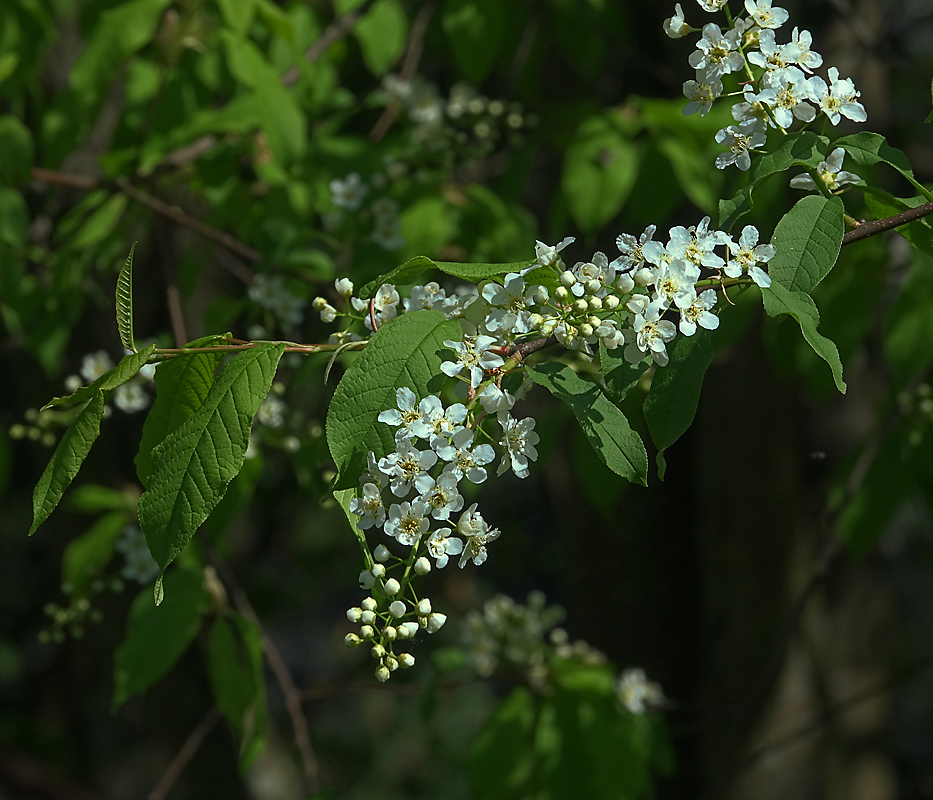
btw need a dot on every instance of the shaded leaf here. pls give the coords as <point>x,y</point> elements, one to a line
<point>126,369</point>
<point>807,242</point>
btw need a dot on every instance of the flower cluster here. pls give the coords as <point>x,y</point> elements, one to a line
<point>413,495</point>
<point>778,84</point>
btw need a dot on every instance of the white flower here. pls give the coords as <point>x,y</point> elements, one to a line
<point>695,244</point>
<point>405,465</point>
<point>441,423</point>
<point>831,174</point>
<point>740,139</point>
<point>385,305</point>
<point>369,507</point>
<point>631,249</point>
<point>477,534</point>
<point>764,15</point>
<point>408,419</point>
<point>348,193</point>
<point>130,397</point>
<point>140,566</point>
<point>649,336</point>
<point>746,254</point>
<point>509,313</point>
<point>344,287</point>
<point>493,399</point>
<point>519,439</point>
<point>787,92</point>
<point>837,98</point>
<point>548,256</point>
<point>407,522</point>
<point>472,355</point>
<point>635,691</point>
<point>806,59</point>
<point>773,56</point>
<point>93,365</point>
<point>676,281</point>
<point>441,545</point>
<point>440,495</point>
<point>372,473</point>
<point>430,296</point>
<point>701,93</point>
<point>712,5</point>
<point>696,311</point>
<point>716,53</point>
<point>675,27</point>
<point>463,460</point>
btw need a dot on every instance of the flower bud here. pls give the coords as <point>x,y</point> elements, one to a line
<point>392,587</point>
<point>367,632</point>
<point>378,651</point>
<point>354,614</point>
<point>436,622</point>
<point>644,277</point>
<point>625,284</point>
<point>381,553</point>
<point>382,674</point>
<point>318,303</point>
<point>422,566</point>
<point>540,295</point>
<point>562,293</point>
<point>424,606</point>
<point>611,302</point>
<point>593,286</point>
<point>390,632</point>
<point>369,604</point>
<point>367,581</point>
<point>406,660</point>
<point>344,287</point>
<point>581,306</point>
<point>595,304</point>
<point>378,571</point>
<point>392,663</point>
<point>368,617</point>
<point>407,630</point>
<point>397,609</point>
<point>637,304</point>
<point>567,278</point>
<point>586,330</point>
<point>352,640</point>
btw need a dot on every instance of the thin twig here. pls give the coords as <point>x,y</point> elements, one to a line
<point>173,213</point>
<point>282,676</point>
<point>876,226</point>
<point>185,754</point>
<point>413,54</point>
<point>339,28</point>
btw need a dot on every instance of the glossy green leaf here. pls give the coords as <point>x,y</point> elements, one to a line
<point>182,384</point>
<point>234,665</point>
<point>502,758</point>
<point>605,426</point>
<point>672,400</point>
<point>807,242</point>
<point>192,466</point>
<point>126,369</point>
<point>600,168</point>
<point>404,352</point>
<point>382,33</point>
<point>67,459</point>
<point>125,302</point>
<point>868,148</point>
<point>778,300</point>
<point>801,149</point>
<point>619,374</point>
<point>157,636</point>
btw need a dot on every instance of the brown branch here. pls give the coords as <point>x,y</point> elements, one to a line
<point>87,183</point>
<point>409,67</point>
<point>866,229</point>
<point>185,754</point>
<point>339,28</point>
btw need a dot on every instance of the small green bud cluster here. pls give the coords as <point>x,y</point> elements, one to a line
<point>70,620</point>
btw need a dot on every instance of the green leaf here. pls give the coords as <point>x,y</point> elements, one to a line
<point>17,149</point>
<point>411,269</point>
<point>872,148</point>
<point>619,374</point>
<point>883,204</point>
<point>671,403</point>
<point>600,168</point>
<point>87,555</point>
<point>238,14</point>
<point>605,426</point>
<point>182,384</point>
<point>156,637</point>
<point>382,33</point>
<point>779,300</point>
<point>804,149</point>
<point>807,242</point>
<point>234,665</point>
<point>475,31</point>
<point>502,758</point>
<point>930,116</point>
<point>126,369</point>
<point>403,352</point>
<point>100,223</point>
<point>909,323</point>
<point>14,218</point>
<point>125,302</point>
<point>67,460</point>
<point>194,463</point>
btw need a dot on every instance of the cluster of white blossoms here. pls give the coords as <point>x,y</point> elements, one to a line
<point>130,397</point>
<point>777,81</point>
<point>412,494</point>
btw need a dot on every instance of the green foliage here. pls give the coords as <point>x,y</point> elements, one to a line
<point>87,555</point>
<point>807,240</point>
<point>126,369</point>
<point>868,148</point>
<point>475,31</point>
<point>605,426</point>
<point>194,463</point>
<point>412,269</point>
<point>157,637</point>
<point>404,352</point>
<point>67,459</point>
<point>125,302</point>
<point>671,402</point>
<point>17,148</point>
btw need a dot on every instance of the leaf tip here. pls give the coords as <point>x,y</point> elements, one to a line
<point>158,591</point>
